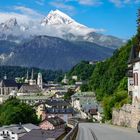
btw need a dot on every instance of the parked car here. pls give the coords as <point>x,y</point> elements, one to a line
<point>138,127</point>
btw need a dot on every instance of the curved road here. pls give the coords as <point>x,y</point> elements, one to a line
<point>94,131</point>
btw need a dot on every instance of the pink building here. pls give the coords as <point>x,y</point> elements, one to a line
<point>52,123</point>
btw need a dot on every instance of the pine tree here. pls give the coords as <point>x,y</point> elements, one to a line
<point>137,38</point>
<point>138,25</point>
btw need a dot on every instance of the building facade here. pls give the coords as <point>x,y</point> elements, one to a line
<point>129,114</point>
<point>7,86</point>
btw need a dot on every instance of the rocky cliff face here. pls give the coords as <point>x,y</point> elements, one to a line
<point>55,53</point>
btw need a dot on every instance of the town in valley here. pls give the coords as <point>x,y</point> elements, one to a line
<point>69,71</point>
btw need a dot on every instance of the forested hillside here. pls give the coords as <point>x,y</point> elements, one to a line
<point>14,71</point>
<point>109,78</point>
<point>83,70</point>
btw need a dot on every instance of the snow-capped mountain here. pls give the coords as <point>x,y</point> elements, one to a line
<point>11,25</point>
<point>57,24</point>
<point>10,30</point>
<point>56,42</point>
<point>66,24</point>
<point>71,30</point>
<point>56,18</point>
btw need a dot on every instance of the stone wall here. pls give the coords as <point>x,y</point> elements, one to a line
<point>122,117</point>
<point>128,116</point>
<point>135,116</point>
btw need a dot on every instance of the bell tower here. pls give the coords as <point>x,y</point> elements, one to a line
<point>27,77</point>
<point>32,81</point>
<point>39,80</point>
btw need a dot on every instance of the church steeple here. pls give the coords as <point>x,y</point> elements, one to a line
<point>32,75</point>
<point>5,77</point>
<point>27,77</point>
<point>32,80</point>
<point>65,80</point>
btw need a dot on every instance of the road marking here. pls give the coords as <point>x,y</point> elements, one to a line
<point>93,134</point>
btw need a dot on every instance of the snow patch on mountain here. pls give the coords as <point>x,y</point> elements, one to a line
<point>55,24</point>
<point>66,24</point>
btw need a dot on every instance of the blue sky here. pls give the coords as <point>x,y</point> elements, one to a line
<point>115,17</point>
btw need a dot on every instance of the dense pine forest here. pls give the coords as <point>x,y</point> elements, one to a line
<point>15,71</point>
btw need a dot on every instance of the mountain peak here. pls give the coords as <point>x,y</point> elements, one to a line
<point>9,24</point>
<point>57,17</point>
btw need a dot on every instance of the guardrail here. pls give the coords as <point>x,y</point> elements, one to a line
<point>74,130</point>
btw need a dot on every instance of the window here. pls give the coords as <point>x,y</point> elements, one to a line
<point>135,76</point>
<point>131,82</point>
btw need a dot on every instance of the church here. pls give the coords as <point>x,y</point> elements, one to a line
<point>31,86</point>
<point>7,86</point>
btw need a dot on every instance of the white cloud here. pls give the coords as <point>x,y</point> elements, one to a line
<point>22,14</point>
<point>117,3</point>
<point>121,3</point>
<point>90,2</point>
<point>137,1</point>
<point>62,5</point>
<point>40,2</point>
<point>28,11</point>
<point>101,30</point>
<point>85,2</point>
<point>21,18</point>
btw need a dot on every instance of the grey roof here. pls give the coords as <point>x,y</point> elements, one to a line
<point>8,83</point>
<point>53,103</point>
<point>60,93</point>
<point>30,126</point>
<point>60,111</point>
<point>57,102</point>
<point>87,107</point>
<point>25,88</point>
<point>39,134</point>
<point>17,129</point>
<point>133,57</point>
<point>55,121</point>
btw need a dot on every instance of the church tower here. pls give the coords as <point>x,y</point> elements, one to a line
<point>39,80</point>
<point>32,81</point>
<point>27,77</point>
<point>65,80</point>
<point>5,77</point>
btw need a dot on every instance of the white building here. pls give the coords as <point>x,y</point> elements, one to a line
<point>75,77</point>
<point>39,80</point>
<point>14,132</point>
<point>65,80</point>
<point>134,75</point>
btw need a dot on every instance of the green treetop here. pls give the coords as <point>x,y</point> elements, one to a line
<point>138,28</point>
<point>15,112</point>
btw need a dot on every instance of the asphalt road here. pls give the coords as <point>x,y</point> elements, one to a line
<point>90,131</point>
